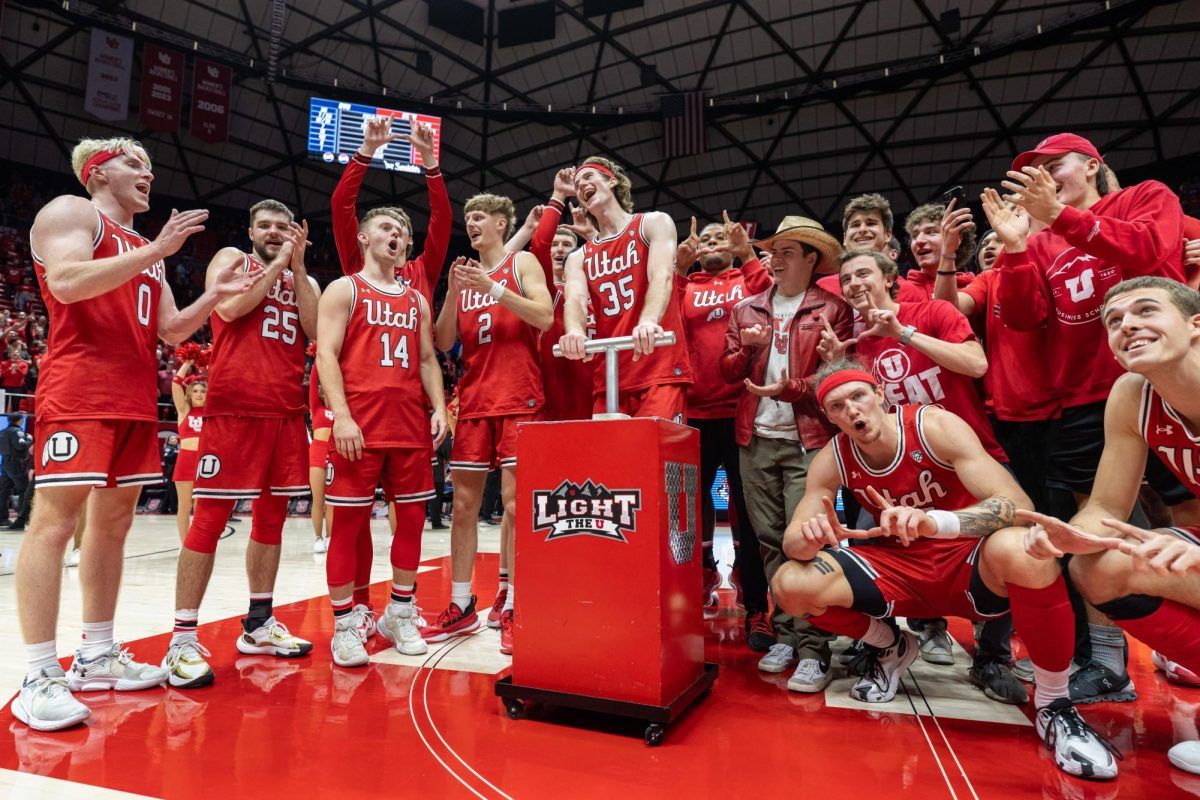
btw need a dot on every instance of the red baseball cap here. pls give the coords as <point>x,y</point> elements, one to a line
<point>1055,145</point>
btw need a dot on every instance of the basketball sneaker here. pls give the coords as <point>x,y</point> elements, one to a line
<point>712,579</point>
<point>760,633</point>
<point>1185,755</point>
<point>935,645</point>
<point>364,620</point>
<point>453,621</point>
<point>1023,670</point>
<point>321,545</point>
<point>185,665</point>
<point>114,669</point>
<point>811,676</point>
<point>272,638</point>
<point>1078,749</point>
<point>401,630</point>
<point>347,644</point>
<point>71,559</point>
<point>779,658</point>
<point>1096,683</point>
<point>998,683</point>
<point>493,620</point>
<point>884,669</point>
<point>506,632</point>
<point>1175,672</point>
<point>46,703</point>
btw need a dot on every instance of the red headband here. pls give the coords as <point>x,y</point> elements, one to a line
<point>95,161</point>
<point>599,168</point>
<point>841,379</point>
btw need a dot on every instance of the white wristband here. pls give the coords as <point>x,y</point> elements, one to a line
<point>497,291</point>
<point>948,525</point>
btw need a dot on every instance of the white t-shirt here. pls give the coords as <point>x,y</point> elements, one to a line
<point>776,420</point>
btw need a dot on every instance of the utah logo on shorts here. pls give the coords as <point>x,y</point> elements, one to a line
<point>61,446</point>
<point>328,474</point>
<point>209,466</point>
<point>587,510</point>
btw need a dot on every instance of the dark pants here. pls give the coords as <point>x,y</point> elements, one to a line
<point>491,505</point>
<point>719,448</point>
<point>25,505</point>
<point>10,484</point>
<point>1028,447</point>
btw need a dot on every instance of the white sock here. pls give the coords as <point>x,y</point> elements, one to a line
<point>41,656</point>
<point>503,579</point>
<point>880,634</point>
<point>1050,685</point>
<point>508,600</point>
<point>97,639</point>
<point>460,594</point>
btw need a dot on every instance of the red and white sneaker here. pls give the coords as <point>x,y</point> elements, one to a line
<point>1176,673</point>
<point>506,630</point>
<point>497,608</point>
<point>712,579</point>
<point>453,621</point>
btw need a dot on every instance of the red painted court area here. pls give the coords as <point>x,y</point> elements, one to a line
<point>306,728</point>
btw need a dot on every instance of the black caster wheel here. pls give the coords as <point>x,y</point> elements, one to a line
<point>514,708</point>
<point>655,734</point>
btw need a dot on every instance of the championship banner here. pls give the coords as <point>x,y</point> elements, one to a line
<point>110,64</point>
<point>162,89</point>
<point>210,101</point>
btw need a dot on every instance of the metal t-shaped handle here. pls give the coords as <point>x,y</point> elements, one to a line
<point>610,348</point>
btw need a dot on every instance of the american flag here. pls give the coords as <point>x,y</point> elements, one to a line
<point>683,124</point>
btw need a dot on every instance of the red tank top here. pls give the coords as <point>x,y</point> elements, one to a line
<point>1167,436</point>
<point>322,417</point>
<point>381,365</point>
<point>257,367</point>
<point>500,351</point>
<point>192,422</point>
<point>617,278</point>
<point>101,361</point>
<point>916,477</point>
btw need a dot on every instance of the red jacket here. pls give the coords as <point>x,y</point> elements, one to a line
<point>12,373</point>
<point>738,362</point>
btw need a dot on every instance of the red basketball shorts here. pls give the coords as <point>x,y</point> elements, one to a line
<point>485,442</point>
<point>665,402</point>
<point>930,578</point>
<point>404,473</point>
<point>185,465</point>
<point>242,457</point>
<point>96,452</point>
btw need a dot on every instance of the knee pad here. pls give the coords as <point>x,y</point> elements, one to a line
<point>270,512</point>
<point>208,523</point>
<point>406,541</point>
<point>1131,606</point>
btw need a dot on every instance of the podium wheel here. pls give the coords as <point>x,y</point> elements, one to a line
<point>515,709</point>
<point>655,733</point>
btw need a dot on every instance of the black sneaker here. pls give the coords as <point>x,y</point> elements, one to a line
<point>1096,683</point>
<point>760,633</point>
<point>998,683</point>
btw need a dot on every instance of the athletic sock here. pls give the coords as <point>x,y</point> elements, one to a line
<point>341,608</point>
<point>881,633</point>
<point>41,656</point>
<point>362,596</point>
<point>844,621</point>
<point>1045,622</point>
<point>1108,647</point>
<point>1049,685</point>
<point>97,639</point>
<point>260,611</point>
<point>402,597</point>
<point>508,599</point>
<point>460,594</point>
<point>1172,629</point>
<point>185,624</point>
<point>503,579</point>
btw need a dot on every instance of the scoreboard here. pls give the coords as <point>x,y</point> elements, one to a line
<point>335,131</point>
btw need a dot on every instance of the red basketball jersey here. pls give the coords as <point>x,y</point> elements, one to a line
<point>381,365</point>
<point>617,278</point>
<point>1167,436</point>
<point>257,367</point>
<point>500,350</point>
<point>916,477</point>
<point>101,361</point>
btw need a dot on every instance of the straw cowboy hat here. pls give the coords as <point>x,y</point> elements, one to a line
<point>809,232</point>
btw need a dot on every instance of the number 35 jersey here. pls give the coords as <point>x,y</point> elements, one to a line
<point>381,365</point>
<point>257,366</point>
<point>500,350</point>
<point>101,361</point>
<point>617,278</point>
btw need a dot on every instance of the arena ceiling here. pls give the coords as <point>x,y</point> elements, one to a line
<point>812,101</point>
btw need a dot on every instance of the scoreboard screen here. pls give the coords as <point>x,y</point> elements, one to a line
<point>335,131</point>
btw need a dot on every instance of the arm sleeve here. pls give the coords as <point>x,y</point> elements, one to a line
<point>543,237</point>
<point>437,235</point>
<point>756,276</point>
<point>344,214</point>
<point>1022,291</point>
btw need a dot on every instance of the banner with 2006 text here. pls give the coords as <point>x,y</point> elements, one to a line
<point>211,88</point>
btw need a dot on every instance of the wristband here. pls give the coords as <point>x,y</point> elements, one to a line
<point>906,337</point>
<point>496,292</point>
<point>947,272</point>
<point>177,380</point>
<point>948,524</point>
<point>555,203</point>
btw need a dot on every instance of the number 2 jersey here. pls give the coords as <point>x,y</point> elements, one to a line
<point>503,375</point>
<point>101,361</point>
<point>617,278</point>
<point>381,365</point>
<point>257,366</point>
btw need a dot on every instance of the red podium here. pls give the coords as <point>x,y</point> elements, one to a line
<point>608,617</point>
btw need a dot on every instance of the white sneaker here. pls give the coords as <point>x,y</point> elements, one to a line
<point>365,621</point>
<point>1185,755</point>
<point>884,669</point>
<point>935,644</point>
<point>1078,750</point>
<point>71,559</point>
<point>347,646</point>
<point>401,630</point>
<point>810,676</point>
<point>46,703</point>
<point>114,669</point>
<point>779,658</point>
<point>185,665</point>
<point>321,545</point>
<point>272,638</point>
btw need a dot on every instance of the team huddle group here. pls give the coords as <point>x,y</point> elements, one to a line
<point>1080,324</point>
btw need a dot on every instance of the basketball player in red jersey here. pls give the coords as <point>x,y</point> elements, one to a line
<point>254,443</point>
<point>379,373</point>
<point>945,544</point>
<point>625,270</point>
<point>495,308</point>
<point>1144,580</point>
<point>108,300</point>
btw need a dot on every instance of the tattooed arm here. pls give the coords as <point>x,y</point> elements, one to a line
<point>987,516</point>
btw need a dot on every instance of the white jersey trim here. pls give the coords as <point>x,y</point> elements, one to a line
<point>925,442</point>
<point>620,233</point>
<point>890,468</point>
